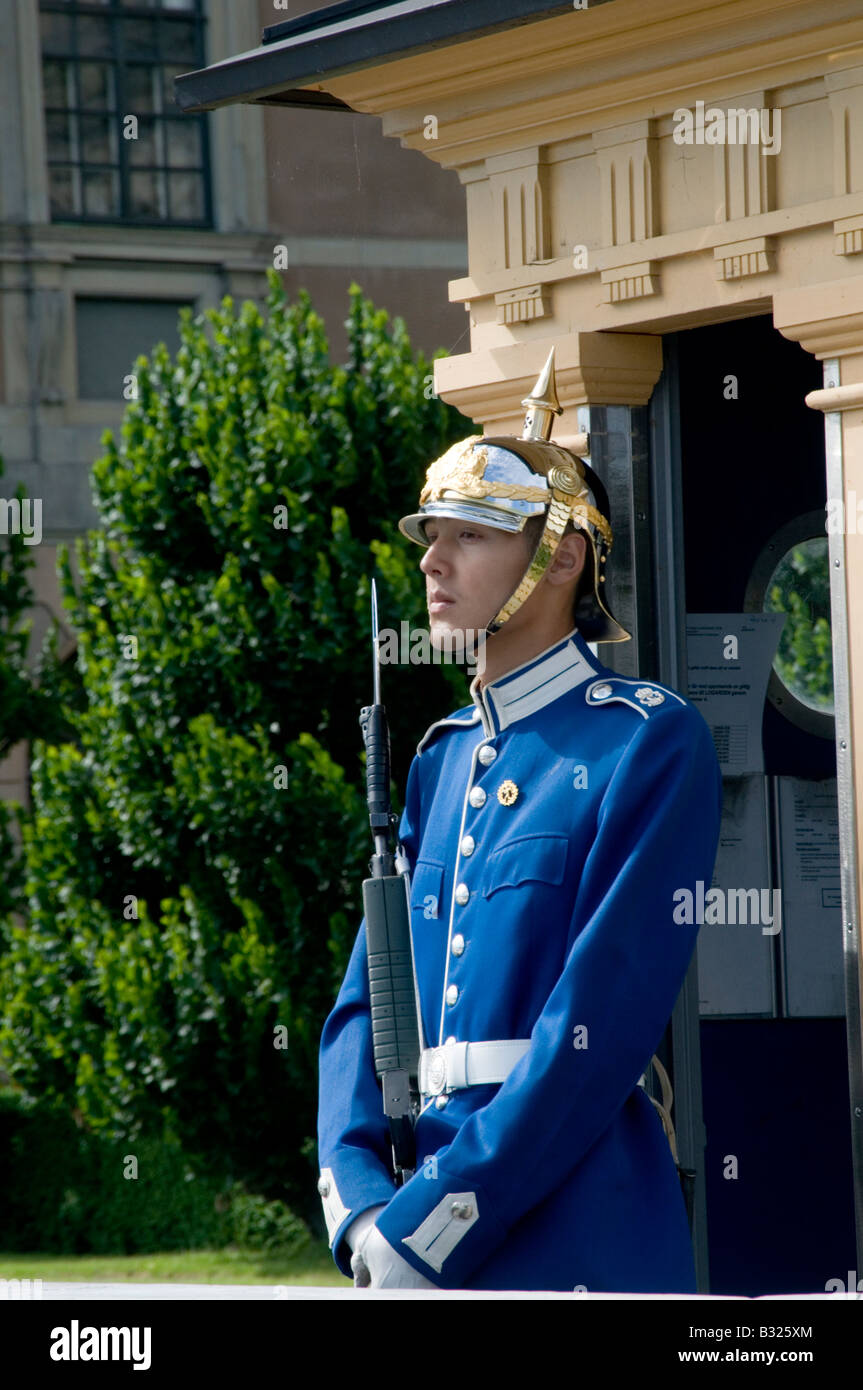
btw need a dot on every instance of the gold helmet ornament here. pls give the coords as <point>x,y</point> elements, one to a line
<point>502,481</point>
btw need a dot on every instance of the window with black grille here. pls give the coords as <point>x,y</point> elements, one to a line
<point>119,149</point>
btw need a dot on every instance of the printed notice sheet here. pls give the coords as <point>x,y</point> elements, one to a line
<point>729,658</point>
<point>809,838</point>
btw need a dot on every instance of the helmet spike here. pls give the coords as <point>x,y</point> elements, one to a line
<point>542,404</point>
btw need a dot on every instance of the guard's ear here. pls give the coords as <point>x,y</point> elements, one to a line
<point>569,558</point>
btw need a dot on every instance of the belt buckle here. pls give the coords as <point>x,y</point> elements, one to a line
<point>436,1072</point>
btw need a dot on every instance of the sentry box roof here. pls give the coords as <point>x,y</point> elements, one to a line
<point>346,37</point>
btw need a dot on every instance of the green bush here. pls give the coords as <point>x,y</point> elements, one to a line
<point>193,859</point>
<point>268,1227</point>
<point>69,1191</point>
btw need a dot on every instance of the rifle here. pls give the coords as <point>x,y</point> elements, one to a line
<point>386,903</point>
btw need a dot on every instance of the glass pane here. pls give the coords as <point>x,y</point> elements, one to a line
<point>94,37</point>
<point>139,39</point>
<point>140,87</point>
<point>56,32</point>
<point>800,587</point>
<point>147,149</point>
<point>98,145</point>
<point>147,195</point>
<point>55,83</point>
<point>178,4</point>
<point>180,40</point>
<point>96,86</point>
<point>59,137</point>
<point>101,193</point>
<point>187,197</point>
<point>184,143</point>
<point>62,183</point>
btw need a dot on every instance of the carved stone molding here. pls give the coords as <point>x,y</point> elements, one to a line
<point>826,319</point>
<point>744,176</point>
<point>845,95</point>
<point>520,306</point>
<point>630,282</point>
<point>848,234</point>
<point>626,159</point>
<point>518,186</point>
<point>741,258</point>
<point>590,369</point>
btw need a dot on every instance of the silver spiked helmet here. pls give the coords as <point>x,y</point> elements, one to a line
<point>502,481</point>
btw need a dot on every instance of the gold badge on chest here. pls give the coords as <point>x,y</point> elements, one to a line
<point>507,793</point>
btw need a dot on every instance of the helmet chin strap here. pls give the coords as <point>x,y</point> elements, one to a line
<point>556,522</point>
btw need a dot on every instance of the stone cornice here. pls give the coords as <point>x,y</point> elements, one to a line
<point>68,243</point>
<point>572,75</point>
<point>590,368</point>
<point>827,320</point>
<point>690,242</point>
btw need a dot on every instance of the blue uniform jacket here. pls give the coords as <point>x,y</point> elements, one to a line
<point>548,826</point>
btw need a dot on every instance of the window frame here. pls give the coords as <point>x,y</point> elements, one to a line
<point>805,527</point>
<point>116,12</point>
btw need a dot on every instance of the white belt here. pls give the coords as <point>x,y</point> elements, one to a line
<point>461,1064</point>
<point>457,1065</point>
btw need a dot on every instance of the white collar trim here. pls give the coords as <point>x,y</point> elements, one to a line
<point>536,683</point>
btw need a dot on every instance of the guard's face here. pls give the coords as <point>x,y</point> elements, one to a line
<point>470,571</point>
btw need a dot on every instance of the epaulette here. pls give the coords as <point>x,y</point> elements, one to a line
<point>462,719</point>
<point>644,696</point>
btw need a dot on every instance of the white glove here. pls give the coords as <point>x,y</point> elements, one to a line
<point>359,1229</point>
<point>375,1264</point>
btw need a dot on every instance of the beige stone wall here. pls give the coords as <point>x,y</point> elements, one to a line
<point>585,214</point>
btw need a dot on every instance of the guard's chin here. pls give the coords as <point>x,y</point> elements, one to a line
<point>444,632</point>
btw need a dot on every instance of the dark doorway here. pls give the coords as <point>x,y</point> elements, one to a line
<point>780,1217</point>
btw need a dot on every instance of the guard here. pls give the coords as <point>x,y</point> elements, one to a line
<point>547,826</point>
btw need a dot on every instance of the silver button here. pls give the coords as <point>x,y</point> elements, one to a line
<point>324,1187</point>
<point>468,845</point>
<point>601,692</point>
<point>463,1210</point>
<point>452,994</point>
<point>458,945</point>
<point>487,754</point>
<point>462,894</point>
<point>449,1042</point>
<point>441,1102</point>
<point>477,797</point>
